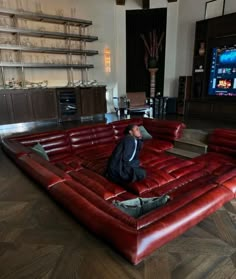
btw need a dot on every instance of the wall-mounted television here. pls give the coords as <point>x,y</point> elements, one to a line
<point>223,72</point>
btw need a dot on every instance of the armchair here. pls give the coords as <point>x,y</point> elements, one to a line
<point>138,103</point>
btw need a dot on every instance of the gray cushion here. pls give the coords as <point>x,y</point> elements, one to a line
<point>38,148</point>
<point>139,206</point>
<point>145,133</point>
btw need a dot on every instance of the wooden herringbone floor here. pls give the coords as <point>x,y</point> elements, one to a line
<point>38,239</point>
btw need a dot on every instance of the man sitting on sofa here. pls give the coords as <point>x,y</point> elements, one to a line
<point>123,165</point>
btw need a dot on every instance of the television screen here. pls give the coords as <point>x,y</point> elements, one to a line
<point>223,72</point>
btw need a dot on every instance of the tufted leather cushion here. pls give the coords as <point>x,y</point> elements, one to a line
<point>179,197</point>
<point>55,143</point>
<point>215,162</point>
<point>156,145</point>
<point>223,141</point>
<point>69,164</point>
<point>96,152</point>
<point>97,183</point>
<point>164,170</point>
<point>228,180</point>
<point>88,136</point>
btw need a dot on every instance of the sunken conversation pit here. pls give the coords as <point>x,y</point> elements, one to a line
<point>72,172</point>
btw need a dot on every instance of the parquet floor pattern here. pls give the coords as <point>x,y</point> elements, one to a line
<point>39,239</point>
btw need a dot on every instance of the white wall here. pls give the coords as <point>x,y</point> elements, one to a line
<point>171,44</point>
<point>191,11</point>
<point>120,23</point>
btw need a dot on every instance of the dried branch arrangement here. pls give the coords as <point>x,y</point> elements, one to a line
<point>153,46</point>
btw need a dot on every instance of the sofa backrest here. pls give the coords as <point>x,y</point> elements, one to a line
<point>54,142</point>
<point>222,141</point>
<point>87,136</point>
<point>60,143</point>
<point>164,129</point>
<point>119,126</point>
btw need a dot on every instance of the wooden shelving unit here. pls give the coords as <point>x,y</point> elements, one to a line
<point>19,47</point>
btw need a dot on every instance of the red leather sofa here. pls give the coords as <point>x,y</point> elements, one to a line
<point>74,177</point>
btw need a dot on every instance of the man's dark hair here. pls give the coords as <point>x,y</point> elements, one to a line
<point>129,128</point>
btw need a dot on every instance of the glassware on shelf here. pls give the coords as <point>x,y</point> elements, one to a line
<point>24,23</point>
<point>19,5</point>
<point>73,12</point>
<point>3,3</point>
<point>38,7</point>
<point>27,42</point>
<point>41,28</point>
<point>5,22</point>
<point>29,58</point>
<point>59,12</point>
<point>56,28</point>
<point>42,42</point>
<point>10,58</point>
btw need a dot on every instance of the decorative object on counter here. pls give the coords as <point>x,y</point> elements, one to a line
<point>59,12</point>
<point>13,84</point>
<point>73,12</point>
<point>81,83</point>
<point>3,3</point>
<point>40,84</point>
<point>202,49</point>
<point>38,7</point>
<point>17,84</point>
<point>19,5</point>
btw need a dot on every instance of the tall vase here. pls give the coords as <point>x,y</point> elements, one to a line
<point>152,63</point>
<point>202,50</point>
<point>153,72</point>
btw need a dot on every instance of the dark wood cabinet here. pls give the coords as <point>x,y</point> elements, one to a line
<point>44,104</point>
<point>62,104</point>
<point>92,100</point>
<point>6,116</point>
<point>211,109</point>
<point>21,106</point>
<point>100,106</point>
<point>87,105</point>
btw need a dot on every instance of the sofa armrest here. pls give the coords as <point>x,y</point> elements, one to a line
<point>14,149</point>
<point>164,129</point>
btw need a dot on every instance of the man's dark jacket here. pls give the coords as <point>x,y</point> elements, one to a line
<point>120,169</point>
